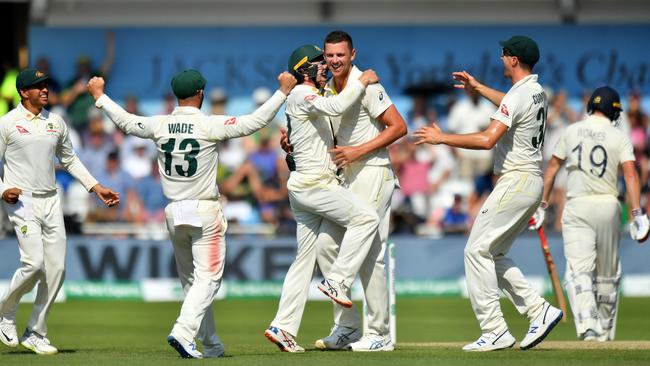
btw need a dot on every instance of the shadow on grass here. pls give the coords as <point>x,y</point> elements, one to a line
<point>28,352</point>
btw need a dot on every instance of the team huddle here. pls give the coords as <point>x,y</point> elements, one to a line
<point>340,121</point>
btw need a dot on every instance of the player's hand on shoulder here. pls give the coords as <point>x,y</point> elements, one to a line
<point>640,228</point>
<point>369,77</point>
<point>96,86</point>
<point>429,135</point>
<point>286,81</point>
<point>11,195</point>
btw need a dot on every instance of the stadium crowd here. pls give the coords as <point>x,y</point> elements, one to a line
<point>441,188</point>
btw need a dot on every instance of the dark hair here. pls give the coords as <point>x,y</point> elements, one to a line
<point>113,155</point>
<point>339,36</point>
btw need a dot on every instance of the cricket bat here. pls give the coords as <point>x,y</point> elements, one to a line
<point>552,272</point>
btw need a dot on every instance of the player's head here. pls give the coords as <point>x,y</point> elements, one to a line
<point>306,63</point>
<point>519,52</point>
<point>339,53</point>
<point>188,87</point>
<point>32,87</point>
<point>607,101</point>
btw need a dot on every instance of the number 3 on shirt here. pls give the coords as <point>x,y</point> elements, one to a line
<point>189,156</point>
<point>538,141</point>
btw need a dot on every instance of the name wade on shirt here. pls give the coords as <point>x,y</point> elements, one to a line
<point>175,128</point>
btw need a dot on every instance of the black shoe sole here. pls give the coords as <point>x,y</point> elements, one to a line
<point>548,330</point>
<point>178,347</point>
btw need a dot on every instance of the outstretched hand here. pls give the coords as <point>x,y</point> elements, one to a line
<point>428,134</point>
<point>109,197</point>
<point>467,82</point>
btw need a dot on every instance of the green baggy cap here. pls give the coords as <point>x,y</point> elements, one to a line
<point>29,77</point>
<point>187,83</point>
<point>524,48</point>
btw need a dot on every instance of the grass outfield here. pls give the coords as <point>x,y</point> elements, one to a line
<point>430,332</point>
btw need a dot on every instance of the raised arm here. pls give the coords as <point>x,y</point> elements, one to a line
<point>131,124</point>
<point>336,105</point>
<point>473,86</point>
<point>226,127</point>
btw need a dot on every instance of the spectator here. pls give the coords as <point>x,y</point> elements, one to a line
<point>138,162</point>
<point>218,101</point>
<point>456,220</point>
<point>151,200</point>
<point>122,184</point>
<point>9,97</point>
<point>97,143</point>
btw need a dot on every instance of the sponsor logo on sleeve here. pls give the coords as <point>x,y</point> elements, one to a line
<point>311,97</point>
<point>141,125</point>
<point>230,121</point>
<point>504,110</point>
<point>21,129</point>
<point>381,96</point>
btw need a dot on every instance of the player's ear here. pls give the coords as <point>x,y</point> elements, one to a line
<point>23,93</point>
<point>353,55</point>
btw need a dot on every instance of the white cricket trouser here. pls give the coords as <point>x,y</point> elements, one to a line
<point>590,228</point>
<point>200,254</point>
<point>502,218</point>
<point>374,184</point>
<point>313,204</point>
<point>42,244</point>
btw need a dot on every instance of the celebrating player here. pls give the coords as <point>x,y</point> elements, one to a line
<point>363,132</point>
<point>187,142</point>
<point>30,137</point>
<point>517,131</point>
<point>593,150</point>
<point>316,195</point>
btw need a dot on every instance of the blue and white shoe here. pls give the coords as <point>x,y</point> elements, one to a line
<point>339,338</point>
<point>336,291</point>
<point>285,341</point>
<point>541,326</point>
<point>8,333</point>
<point>185,348</point>
<point>372,343</point>
<point>491,342</point>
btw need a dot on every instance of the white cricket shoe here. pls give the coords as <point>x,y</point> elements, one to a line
<point>336,291</point>
<point>186,348</point>
<point>541,326</point>
<point>213,350</point>
<point>9,335</point>
<point>340,336</point>
<point>285,341</point>
<point>491,342</point>
<point>372,343</point>
<point>37,343</point>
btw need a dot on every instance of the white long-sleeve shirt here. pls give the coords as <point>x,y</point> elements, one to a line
<point>310,131</point>
<point>29,143</point>
<point>187,142</point>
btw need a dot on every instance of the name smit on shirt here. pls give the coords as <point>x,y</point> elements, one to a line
<point>180,128</point>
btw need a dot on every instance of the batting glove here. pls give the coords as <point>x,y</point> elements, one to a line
<point>537,220</point>
<point>640,226</point>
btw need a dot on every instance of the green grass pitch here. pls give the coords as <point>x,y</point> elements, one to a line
<point>430,332</point>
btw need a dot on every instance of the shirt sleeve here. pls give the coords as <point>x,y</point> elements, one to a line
<point>376,100</point>
<point>3,148</point>
<point>226,127</point>
<point>560,147</point>
<point>626,151</point>
<point>69,160</point>
<point>131,124</point>
<point>315,104</point>
<point>506,111</point>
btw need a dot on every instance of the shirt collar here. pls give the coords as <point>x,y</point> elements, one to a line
<point>600,119</point>
<point>24,113</point>
<point>355,73</point>
<point>530,78</point>
<point>186,110</point>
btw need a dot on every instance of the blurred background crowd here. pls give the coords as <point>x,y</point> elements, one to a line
<point>441,191</point>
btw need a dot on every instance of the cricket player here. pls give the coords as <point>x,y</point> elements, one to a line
<point>30,137</point>
<point>517,131</point>
<point>363,133</point>
<point>187,143</point>
<point>316,195</point>
<point>593,151</point>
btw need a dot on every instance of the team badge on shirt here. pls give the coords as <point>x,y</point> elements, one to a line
<point>50,127</point>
